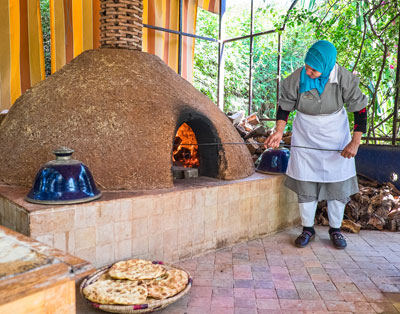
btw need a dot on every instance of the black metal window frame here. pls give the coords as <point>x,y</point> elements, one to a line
<point>221,43</point>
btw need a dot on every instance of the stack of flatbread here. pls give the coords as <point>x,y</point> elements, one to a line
<point>136,282</point>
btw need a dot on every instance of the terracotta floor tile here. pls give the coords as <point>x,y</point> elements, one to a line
<point>242,283</point>
<point>221,310</point>
<point>293,305</point>
<point>222,302</point>
<point>308,294</point>
<point>199,302</point>
<point>325,286</point>
<point>244,293</point>
<point>196,310</point>
<point>340,306</point>
<point>352,296</point>
<point>313,305</point>
<point>331,296</point>
<point>260,268</point>
<point>222,283</point>
<point>240,310</point>
<point>262,284</point>
<point>245,303</point>
<point>268,304</point>
<point>284,284</point>
<point>262,275</point>
<point>265,294</point>
<point>287,294</point>
<point>199,291</point>
<point>222,292</point>
<point>202,282</point>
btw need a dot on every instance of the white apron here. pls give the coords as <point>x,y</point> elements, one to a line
<point>320,131</point>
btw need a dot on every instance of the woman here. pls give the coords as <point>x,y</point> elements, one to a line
<point>318,92</point>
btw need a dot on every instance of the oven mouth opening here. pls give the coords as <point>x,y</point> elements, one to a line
<point>192,152</point>
<point>185,151</point>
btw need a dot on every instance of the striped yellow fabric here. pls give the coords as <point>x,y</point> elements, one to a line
<point>74,26</point>
<point>209,5</point>
<point>21,49</point>
<point>165,13</point>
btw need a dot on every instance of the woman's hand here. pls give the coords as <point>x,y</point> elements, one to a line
<point>351,149</point>
<point>273,140</point>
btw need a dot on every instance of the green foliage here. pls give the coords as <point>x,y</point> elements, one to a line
<point>205,72</point>
<point>45,15</point>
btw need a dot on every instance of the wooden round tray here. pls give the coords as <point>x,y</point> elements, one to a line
<point>153,305</point>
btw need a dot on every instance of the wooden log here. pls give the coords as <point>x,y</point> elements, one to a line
<point>247,126</point>
<point>241,130</point>
<point>376,222</point>
<point>351,226</point>
<point>253,119</point>
<point>260,130</point>
<point>236,118</point>
<point>252,146</point>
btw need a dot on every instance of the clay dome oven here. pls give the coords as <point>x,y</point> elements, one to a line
<point>119,110</point>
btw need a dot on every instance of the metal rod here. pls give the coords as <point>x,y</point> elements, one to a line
<point>258,143</point>
<point>180,39</point>
<point>251,60</point>
<point>178,33</point>
<point>221,63</point>
<point>384,139</point>
<point>278,71</point>
<point>396,98</point>
<point>252,35</point>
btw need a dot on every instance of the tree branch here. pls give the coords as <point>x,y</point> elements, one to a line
<point>362,44</point>
<point>388,23</point>
<point>319,25</point>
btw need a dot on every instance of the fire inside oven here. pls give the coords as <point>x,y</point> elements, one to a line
<point>186,152</point>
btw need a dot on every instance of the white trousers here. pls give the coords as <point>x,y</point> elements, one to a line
<point>335,213</point>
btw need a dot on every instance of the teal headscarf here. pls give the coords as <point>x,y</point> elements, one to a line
<point>321,57</point>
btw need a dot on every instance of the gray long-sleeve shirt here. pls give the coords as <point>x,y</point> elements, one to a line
<point>342,88</point>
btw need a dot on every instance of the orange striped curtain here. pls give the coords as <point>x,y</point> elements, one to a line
<point>165,13</point>
<point>74,26</point>
<point>21,49</point>
<point>209,5</point>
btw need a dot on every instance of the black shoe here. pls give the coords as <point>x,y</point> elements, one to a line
<point>338,240</point>
<point>303,239</point>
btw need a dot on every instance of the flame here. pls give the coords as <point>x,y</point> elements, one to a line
<point>185,155</point>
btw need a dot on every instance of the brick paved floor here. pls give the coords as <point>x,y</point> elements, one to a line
<point>270,275</point>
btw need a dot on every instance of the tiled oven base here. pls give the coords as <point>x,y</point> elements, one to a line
<point>194,217</point>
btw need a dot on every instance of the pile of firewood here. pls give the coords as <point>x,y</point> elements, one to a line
<point>375,206</point>
<point>253,132</point>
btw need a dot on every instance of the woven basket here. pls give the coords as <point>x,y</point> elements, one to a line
<point>121,24</point>
<point>133,308</point>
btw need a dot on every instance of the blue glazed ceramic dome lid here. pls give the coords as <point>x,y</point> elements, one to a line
<point>273,161</point>
<point>63,181</point>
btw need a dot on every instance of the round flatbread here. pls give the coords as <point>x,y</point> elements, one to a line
<point>136,269</point>
<point>110,291</point>
<point>173,283</point>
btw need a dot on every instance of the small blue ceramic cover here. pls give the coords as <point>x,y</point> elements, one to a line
<point>273,160</point>
<point>63,181</point>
